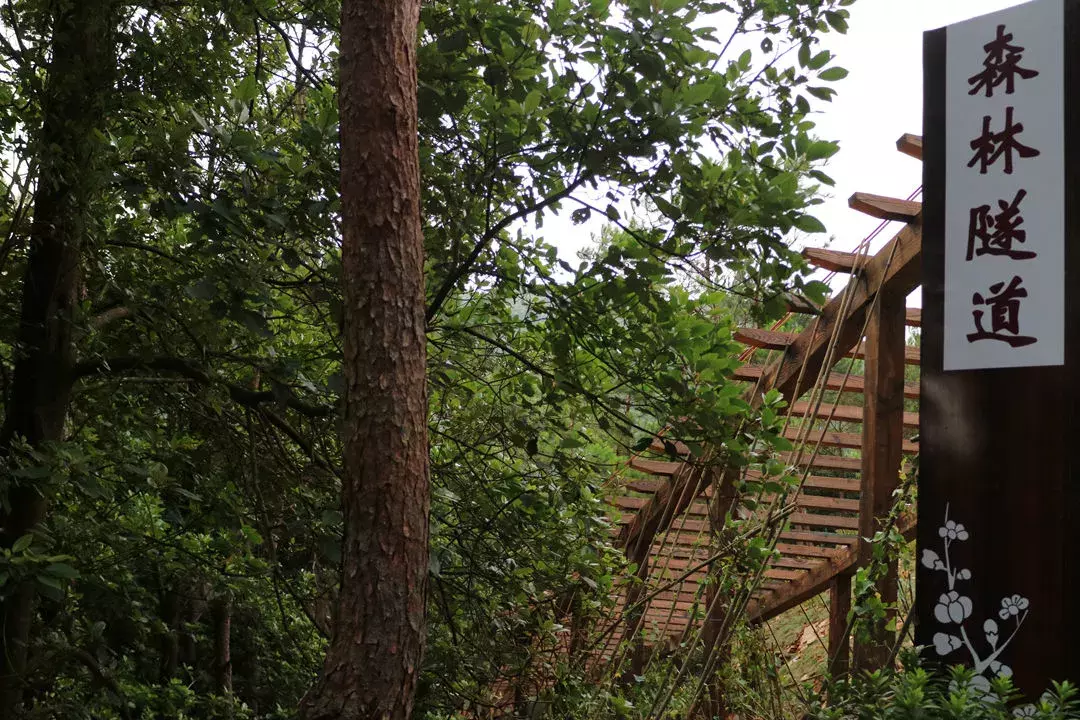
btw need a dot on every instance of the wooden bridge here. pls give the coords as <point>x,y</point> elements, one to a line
<point>847,478</point>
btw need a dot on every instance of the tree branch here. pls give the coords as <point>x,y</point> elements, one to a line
<point>184,368</point>
<point>463,269</point>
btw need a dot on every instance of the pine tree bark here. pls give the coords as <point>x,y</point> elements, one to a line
<point>373,662</point>
<point>73,107</point>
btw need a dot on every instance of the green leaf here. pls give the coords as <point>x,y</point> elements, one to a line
<point>667,208</point>
<point>809,224</point>
<point>532,101</point>
<point>23,543</point>
<point>62,570</point>
<point>833,74</point>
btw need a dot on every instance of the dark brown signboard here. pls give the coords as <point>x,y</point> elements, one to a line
<point>999,487</point>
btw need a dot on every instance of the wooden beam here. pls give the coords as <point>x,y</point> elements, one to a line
<point>897,268</point>
<point>830,540</point>
<point>821,482</point>
<point>824,462</point>
<point>801,305</point>
<point>777,340</point>
<point>843,413</point>
<point>913,316</point>
<point>885,208</point>
<point>882,455</point>
<point>833,381</point>
<point>833,260</point>
<point>654,467</point>
<point>817,580</point>
<point>798,549</point>
<point>839,638</point>
<point>830,438</point>
<point>910,145</point>
<point>840,522</point>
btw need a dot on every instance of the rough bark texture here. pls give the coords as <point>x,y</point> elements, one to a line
<point>73,108</point>
<point>374,658</point>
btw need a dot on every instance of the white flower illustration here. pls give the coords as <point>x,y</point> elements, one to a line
<point>953,531</point>
<point>990,629</point>
<point>1028,710</point>
<point>953,607</point>
<point>945,644</point>
<point>1012,606</point>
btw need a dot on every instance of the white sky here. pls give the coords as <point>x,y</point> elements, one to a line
<point>880,100</point>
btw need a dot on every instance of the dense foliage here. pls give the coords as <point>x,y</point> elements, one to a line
<point>185,526</point>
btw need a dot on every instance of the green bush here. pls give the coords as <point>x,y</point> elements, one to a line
<point>914,693</point>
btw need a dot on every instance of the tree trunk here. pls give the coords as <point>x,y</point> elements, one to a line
<point>73,107</point>
<point>222,619</point>
<point>373,662</point>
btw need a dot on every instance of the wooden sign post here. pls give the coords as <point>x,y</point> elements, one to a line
<point>999,487</point>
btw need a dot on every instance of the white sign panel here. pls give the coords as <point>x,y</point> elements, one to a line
<point>1004,189</point>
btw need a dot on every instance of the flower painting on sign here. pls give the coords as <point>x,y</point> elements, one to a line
<point>1004,227</point>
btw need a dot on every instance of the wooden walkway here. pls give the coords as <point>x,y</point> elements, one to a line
<point>848,450</point>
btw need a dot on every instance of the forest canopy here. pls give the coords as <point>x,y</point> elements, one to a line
<point>171,314</point>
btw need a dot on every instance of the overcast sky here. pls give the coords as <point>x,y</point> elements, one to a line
<point>879,101</point>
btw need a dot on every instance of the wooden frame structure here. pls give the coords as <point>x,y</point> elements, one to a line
<point>666,526</point>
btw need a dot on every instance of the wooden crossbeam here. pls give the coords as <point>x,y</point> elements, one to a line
<point>910,145</point>
<point>885,208</point>
<point>828,438</point>
<point>833,381</point>
<point>913,317</point>
<point>797,549</point>
<point>833,260</point>
<point>815,581</point>
<point>841,522</point>
<point>820,538</point>
<point>654,467</point>
<point>820,482</point>
<point>896,268</point>
<point>842,413</point>
<point>777,340</point>
<point>824,462</point>
<point>794,562</point>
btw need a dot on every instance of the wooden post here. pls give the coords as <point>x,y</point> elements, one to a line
<point>839,638</point>
<point>883,425</point>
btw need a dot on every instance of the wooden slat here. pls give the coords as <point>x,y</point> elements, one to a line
<point>776,340</point>
<point>777,574</point>
<point>801,305</point>
<point>913,317</point>
<point>910,145</point>
<point>821,538</point>
<point>885,208</point>
<point>824,462</point>
<point>654,467</point>
<point>821,482</point>
<point>830,438</point>
<point>842,413</point>
<point>798,549</point>
<point>832,260</point>
<point>843,522</point>
<point>833,381</point>
<point>791,562</point>
<point>897,268</point>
